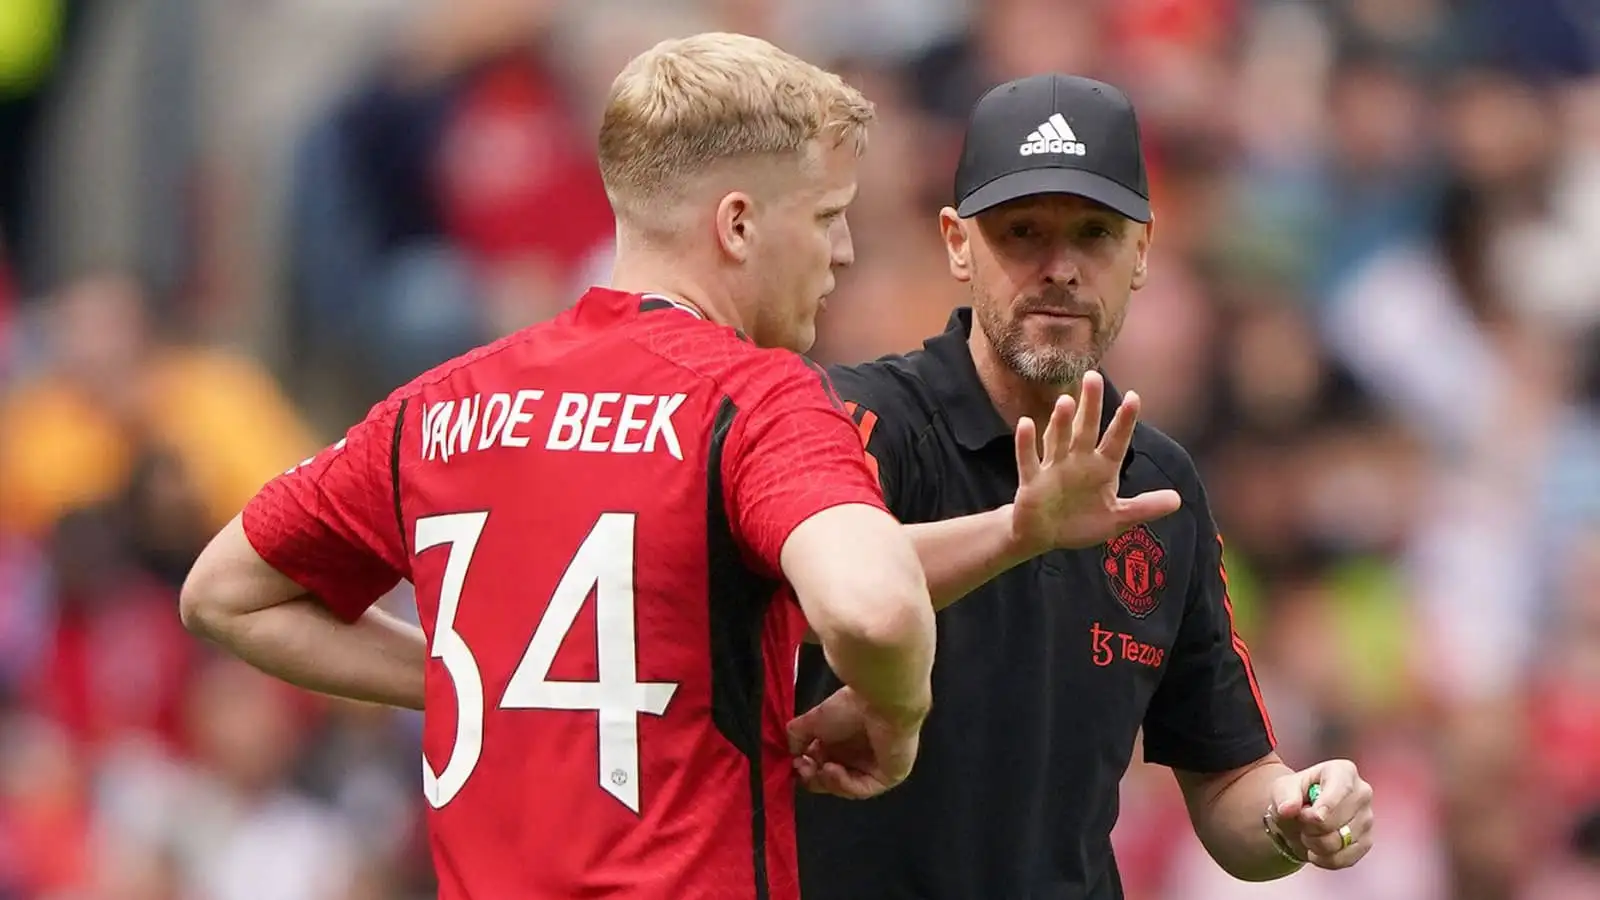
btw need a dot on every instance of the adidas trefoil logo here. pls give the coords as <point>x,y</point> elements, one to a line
<point>1054,136</point>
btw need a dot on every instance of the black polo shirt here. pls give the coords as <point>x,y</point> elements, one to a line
<point>1043,677</point>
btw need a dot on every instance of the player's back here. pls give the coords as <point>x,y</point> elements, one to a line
<point>610,668</point>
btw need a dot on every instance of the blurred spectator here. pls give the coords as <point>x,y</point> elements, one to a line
<point>232,822</point>
<point>70,434</point>
<point>113,661</point>
<point>1373,314</point>
<point>1565,688</point>
<point>449,198</point>
<point>45,811</point>
<point>164,517</point>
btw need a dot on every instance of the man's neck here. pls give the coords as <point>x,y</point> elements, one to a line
<point>638,273</point>
<point>1013,396</point>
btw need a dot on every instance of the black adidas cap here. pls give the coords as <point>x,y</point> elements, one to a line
<point>1053,134</point>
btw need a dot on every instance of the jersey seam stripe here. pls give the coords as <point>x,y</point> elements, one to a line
<point>394,475</point>
<point>1242,651</point>
<point>827,383</point>
<point>866,422</point>
<point>722,557</point>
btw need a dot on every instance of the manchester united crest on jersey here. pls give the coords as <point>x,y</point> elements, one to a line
<point>1135,567</point>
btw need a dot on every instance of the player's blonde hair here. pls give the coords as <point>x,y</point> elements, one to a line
<point>688,103</point>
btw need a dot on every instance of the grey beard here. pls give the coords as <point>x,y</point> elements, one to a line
<point>1052,367</point>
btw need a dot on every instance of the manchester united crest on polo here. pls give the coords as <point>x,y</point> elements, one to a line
<point>1135,567</point>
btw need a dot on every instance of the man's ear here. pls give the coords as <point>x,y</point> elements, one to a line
<point>957,244</point>
<point>1141,264</point>
<point>736,225</point>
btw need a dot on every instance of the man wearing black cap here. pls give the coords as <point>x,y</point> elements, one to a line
<point>1045,676</point>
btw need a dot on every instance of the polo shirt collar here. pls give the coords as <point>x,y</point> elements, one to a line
<point>962,396</point>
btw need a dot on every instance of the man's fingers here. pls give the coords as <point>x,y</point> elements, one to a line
<point>800,732</point>
<point>811,775</point>
<point>1147,507</point>
<point>1027,451</point>
<point>805,768</point>
<point>852,784</point>
<point>1336,802</point>
<point>1323,845</point>
<point>1058,434</point>
<point>1119,435</point>
<point>1287,799</point>
<point>1344,857</point>
<point>824,779</point>
<point>1086,426</point>
<point>1353,808</point>
<point>834,779</point>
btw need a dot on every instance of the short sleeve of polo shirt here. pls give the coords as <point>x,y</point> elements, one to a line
<point>1207,715</point>
<point>888,426</point>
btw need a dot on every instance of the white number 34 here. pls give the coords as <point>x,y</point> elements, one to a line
<point>603,563</point>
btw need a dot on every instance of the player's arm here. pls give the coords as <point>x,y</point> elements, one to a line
<point>1226,808</point>
<point>1207,722</point>
<point>288,585</point>
<point>862,590</point>
<point>957,555</point>
<point>960,555</point>
<point>1254,814</point>
<point>805,506</point>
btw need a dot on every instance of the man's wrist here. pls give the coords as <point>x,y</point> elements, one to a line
<point>1018,547</point>
<point>1280,844</point>
<point>903,717</point>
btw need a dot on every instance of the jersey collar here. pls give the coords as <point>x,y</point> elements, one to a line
<point>962,397</point>
<point>652,302</point>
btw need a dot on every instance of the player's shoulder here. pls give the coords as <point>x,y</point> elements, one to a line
<point>894,386</point>
<point>1173,466</point>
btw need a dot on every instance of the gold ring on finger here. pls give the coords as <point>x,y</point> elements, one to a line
<point>1346,837</point>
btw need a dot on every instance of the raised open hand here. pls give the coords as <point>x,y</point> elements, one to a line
<point>1068,498</point>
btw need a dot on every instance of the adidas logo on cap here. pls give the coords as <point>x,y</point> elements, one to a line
<point>1054,135</point>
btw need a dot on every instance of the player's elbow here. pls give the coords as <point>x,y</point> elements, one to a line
<point>864,594</point>
<point>197,607</point>
<point>879,639</point>
<point>868,603</point>
<point>201,603</point>
<point>221,587</point>
<point>882,613</point>
<point>858,579</point>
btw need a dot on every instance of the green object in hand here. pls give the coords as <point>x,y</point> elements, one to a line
<point>1313,793</point>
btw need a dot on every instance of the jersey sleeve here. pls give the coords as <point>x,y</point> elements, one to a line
<point>329,523</point>
<point>1208,715</point>
<point>884,429</point>
<point>792,454</point>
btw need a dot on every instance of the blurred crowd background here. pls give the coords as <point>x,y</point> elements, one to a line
<point>1374,317</point>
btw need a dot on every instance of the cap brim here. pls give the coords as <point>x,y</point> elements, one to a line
<point>1077,182</point>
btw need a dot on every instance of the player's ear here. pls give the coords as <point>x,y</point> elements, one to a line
<point>957,244</point>
<point>1141,268</point>
<point>736,225</point>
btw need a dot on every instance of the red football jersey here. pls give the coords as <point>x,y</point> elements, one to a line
<point>591,511</point>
